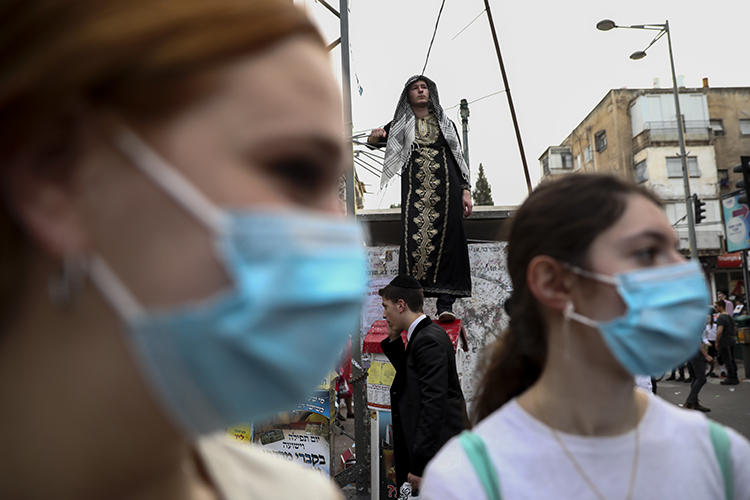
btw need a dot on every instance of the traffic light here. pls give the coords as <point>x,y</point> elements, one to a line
<point>744,184</point>
<point>700,209</point>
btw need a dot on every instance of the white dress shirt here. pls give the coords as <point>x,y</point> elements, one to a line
<point>413,326</point>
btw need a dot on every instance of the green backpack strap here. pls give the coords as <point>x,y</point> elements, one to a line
<point>476,450</point>
<point>720,441</point>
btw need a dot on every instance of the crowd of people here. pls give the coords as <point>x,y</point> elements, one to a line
<point>175,261</point>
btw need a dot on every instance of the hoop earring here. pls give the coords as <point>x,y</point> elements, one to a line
<point>566,330</point>
<point>63,287</point>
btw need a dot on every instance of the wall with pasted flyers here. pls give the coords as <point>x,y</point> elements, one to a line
<point>482,313</point>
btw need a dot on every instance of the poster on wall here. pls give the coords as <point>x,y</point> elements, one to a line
<point>736,222</point>
<point>380,376</point>
<point>302,435</point>
<point>297,445</point>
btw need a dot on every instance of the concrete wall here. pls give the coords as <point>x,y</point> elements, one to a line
<point>673,188</point>
<point>730,105</point>
<point>610,115</point>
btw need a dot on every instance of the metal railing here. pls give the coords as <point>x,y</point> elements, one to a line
<point>695,130</point>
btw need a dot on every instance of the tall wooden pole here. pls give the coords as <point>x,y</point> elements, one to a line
<point>507,93</point>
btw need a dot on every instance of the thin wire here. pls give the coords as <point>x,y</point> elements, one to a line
<point>372,155</point>
<point>364,158</point>
<point>470,23</point>
<point>478,99</point>
<point>360,164</point>
<point>434,32</point>
<point>374,167</point>
<point>364,166</point>
<point>370,168</point>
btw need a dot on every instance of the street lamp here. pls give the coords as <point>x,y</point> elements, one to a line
<point>608,24</point>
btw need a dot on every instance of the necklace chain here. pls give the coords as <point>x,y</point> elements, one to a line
<point>583,474</point>
<point>586,477</point>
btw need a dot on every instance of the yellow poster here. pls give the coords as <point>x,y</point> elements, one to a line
<point>373,374</point>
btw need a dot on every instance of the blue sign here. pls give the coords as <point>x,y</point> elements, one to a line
<point>736,222</point>
<point>319,402</point>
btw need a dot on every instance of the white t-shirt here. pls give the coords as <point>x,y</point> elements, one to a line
<point>245,472</point>
<point>644,382</point>
<point>676,460</point>
<point>709,333</point>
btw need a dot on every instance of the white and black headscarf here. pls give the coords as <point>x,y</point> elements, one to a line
<point>401,135</point>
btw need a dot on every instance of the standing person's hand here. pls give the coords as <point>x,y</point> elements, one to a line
<point>376,135</point>
<point>415,481</point>
<point>468,204</point>
<point>709,358</point>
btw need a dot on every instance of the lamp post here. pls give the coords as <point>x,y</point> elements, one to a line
<point>608,24</point>
<point>465,126</point>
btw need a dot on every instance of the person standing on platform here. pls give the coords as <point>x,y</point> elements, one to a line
<point>422,147</point>
<point>427,403</point>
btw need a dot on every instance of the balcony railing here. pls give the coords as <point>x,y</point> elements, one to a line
<point>666,131</point>
<point>695,130</point>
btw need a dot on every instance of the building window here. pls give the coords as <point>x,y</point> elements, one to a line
<point>640,174</point>
<point>723,175</point>
<point>545,165</point>
<point>587,153</point>
<point>600,140</point>
<point>744,126</point>
<point>717,126</point>
<point>674,167</point>
<point>578,162</point>
<point>567,160</point>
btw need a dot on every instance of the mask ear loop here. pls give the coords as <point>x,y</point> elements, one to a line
<point>173,183</point>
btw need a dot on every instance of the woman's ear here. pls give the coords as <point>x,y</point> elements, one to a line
<point>46,209</point>
<point>550,282</point>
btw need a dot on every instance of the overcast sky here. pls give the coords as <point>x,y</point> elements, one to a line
<point>559,66</point>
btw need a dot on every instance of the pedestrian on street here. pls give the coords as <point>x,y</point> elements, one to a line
<point>709,339</point>
<point>427,403</point>
<point>600,294</point>
<point>681,370</point>
<point>728,304</point>
<point>172,264</point>
<point>422,147</point>
<point>725,339</point>
<point>697,367</point>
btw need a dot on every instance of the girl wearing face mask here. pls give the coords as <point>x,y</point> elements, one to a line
<point>600,294</point>
<point>172,261</point>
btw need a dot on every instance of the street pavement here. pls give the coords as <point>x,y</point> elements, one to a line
<point>729,404</point>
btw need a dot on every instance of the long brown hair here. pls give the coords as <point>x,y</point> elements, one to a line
<point>561,218</point>
<point>138,57</point>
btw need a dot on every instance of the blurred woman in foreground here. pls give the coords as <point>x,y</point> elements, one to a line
<point>169,175</point>
<point>600,294</point>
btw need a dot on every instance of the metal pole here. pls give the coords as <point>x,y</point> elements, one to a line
<point>510,99</point>
<point>683,154</point>
<point>465,126</point>
<point>359,389</point>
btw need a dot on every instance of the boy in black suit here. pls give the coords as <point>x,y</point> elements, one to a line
<point>427,404</point>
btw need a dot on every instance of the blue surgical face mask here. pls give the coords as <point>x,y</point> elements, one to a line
<point>298,284</point>
<point>664,320</point>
